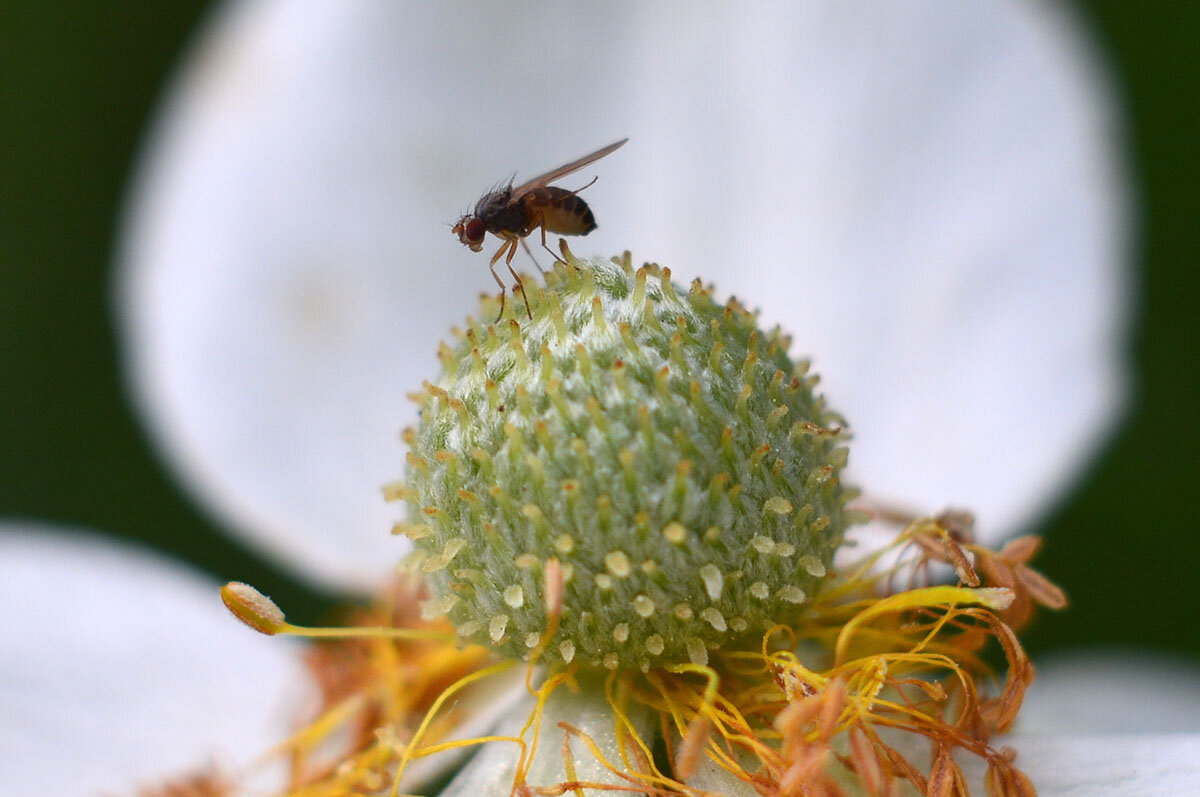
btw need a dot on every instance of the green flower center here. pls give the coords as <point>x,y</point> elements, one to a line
<point>668,453</point>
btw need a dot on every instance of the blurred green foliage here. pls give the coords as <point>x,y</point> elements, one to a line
<point>78,83</point>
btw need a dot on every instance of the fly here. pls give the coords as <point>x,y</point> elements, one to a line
<point>512,214</point>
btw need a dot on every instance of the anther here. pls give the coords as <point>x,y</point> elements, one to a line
<point>748,367</point>
<point>617,563</point>
<point>639,287</point>
<point>414,531</point>
<point>559,320</point>
<point>714,357</point>
<point>439,607</point>
<point>547,371</point>
<point>460,411</point>
<point>675,533</point>
<point>449,361</point>
<point>762,544</point>
<point>714,581</point>
<point>514,596</point>
<point>253,608</point>
<point>774,388</point>
<point>524,405</point>
<point>619,376</point>
<point>743,397</point>
<point>478,366</point>
<point>677,356</point>
<point>396,491</point>
<point>662,382</point>
<point>554,391</point>
<point>632,347</point>
<point>714,618</point>
<point>667,288</point>
<point>777,505</point>
<point>497,626</point>
<point>598,315</point>
<point>792,594</point>
<point>812,565</point>
<point>596,415</point>
<point>518,346</point>
<point>584,360</point>
<point>651,319</point>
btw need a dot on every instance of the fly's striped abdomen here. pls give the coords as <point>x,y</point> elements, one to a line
<point>561,211</point>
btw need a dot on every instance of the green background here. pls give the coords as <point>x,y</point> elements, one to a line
<point>79,82</point>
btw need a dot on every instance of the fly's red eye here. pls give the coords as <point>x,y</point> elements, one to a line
<point>475,229</point>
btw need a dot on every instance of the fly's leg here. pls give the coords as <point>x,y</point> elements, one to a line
<point>508,262</point>
<point>589,185</point>
<point>540,221</point>
<point>529,252</point>
<point>553,254</point>
<point>521,285</point>
<point>492,266</point>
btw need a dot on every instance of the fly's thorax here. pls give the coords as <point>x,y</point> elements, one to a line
<point>668,454</point>
<point>500,216</point>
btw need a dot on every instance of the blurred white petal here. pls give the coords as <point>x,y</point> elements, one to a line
<point>712,777</point>
<point>477,710</point>
<point>923,193</point>
<point>1118,692</point>
<point>121,668</point>
<point>927,195</point>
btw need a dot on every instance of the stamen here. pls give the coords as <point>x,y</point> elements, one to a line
<point>263,615</point>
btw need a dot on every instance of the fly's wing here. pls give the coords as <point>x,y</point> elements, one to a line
<point>562,171</point>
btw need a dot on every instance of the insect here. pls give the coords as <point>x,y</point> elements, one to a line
<point>512,214</point>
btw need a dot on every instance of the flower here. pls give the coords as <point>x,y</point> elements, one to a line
<point>944,177</point>
<point>639,489</point>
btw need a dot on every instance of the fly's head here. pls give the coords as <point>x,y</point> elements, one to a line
<point>470,230</point>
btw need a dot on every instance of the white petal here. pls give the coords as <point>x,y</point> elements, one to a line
<point>491,771</point>
<point>122,668</point>
<point>1112,692</point>
<point>923,193</point>
<point>1165,765</point>
<point>926,195</point>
